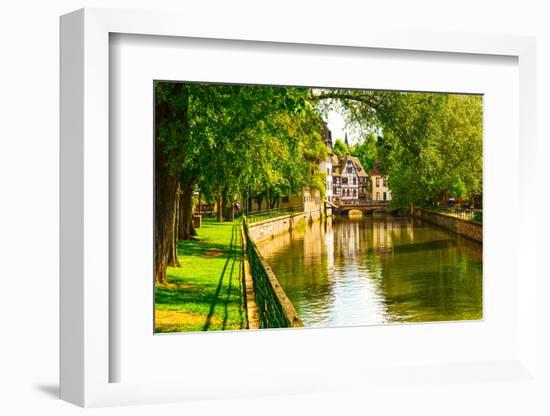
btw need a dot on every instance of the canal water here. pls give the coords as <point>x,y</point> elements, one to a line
<point>377,270</point>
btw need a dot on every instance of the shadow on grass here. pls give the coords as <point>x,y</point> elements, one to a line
<point>207,286</point>
<point>200,248</point>
<point>192,294</point>
<point>218,289</point>
<point>229,289</point>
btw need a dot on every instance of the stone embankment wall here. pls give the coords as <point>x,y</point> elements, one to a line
<point>457,225</point>
<point>263,230</point>
<point>267,304</point>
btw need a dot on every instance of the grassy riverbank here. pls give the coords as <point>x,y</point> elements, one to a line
<point>204,294</point>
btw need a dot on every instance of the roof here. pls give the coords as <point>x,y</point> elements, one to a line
<point>358,166</point>
<point>338,162</point>
<point>374,171</point>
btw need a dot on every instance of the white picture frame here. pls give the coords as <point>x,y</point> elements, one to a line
<point>85,165</point>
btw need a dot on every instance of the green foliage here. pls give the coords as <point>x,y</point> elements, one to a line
<point>266,142</point>
<point>239,139</point>
<point>172,122</point>
<point>366,151</point>
<point>340,148</point>
<point>458,189</point>
<point>318,181</point>
<point>478,217</point>
<point>430,144</point>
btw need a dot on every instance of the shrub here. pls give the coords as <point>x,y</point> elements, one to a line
<point>478,217</point>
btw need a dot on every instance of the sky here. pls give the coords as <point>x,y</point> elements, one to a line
<point>336,125</point>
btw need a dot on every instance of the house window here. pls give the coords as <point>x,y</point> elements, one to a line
<point>328,171</point>
<point>354,193</point>
<point>384,182</point>
<point>350,169</point>
<point>355,181</point>
<point>377,181</point>
<point>344,181</point>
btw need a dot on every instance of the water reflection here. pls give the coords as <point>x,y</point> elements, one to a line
<point>377,270</point>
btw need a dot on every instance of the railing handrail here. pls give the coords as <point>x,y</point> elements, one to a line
<point>263,211</point>
<point>289,311</point>
<point>348,202</point>
<point>256,216</point>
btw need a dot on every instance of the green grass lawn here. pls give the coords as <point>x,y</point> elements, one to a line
<point>205,293</point>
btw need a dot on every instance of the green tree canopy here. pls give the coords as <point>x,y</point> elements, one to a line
<point>430,144</point>
<point>340,148</point>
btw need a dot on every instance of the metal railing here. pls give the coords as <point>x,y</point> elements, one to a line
<point>273,307</point>
<point>458,212</point>
<point>257,216</point>
<point>349,202</point>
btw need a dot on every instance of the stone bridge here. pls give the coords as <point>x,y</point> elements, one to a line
<point>364,205</point>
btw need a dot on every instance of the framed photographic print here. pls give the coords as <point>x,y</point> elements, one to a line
<point>315,213</point>
<point>269,215</point>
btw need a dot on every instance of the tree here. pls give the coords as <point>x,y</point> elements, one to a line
<point>366,151</point>
<point>171,135</point>
<point>433,147</point>
<point>430,144</point>
<point>258,126</point>
<point>227,140</point>
<point>340,148</point>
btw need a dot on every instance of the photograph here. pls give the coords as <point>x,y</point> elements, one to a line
<point>311,207</point>
<point>234,207</point>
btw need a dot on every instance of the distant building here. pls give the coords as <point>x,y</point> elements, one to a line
<point>326,165</point>
<point>350,180</point>
<point>346,180</point>
<point>379,180</point>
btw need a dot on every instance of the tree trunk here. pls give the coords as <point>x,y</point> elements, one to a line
<point>219,208</point>
<point>165,203</point>
<point>200,201</point>
<point>227,208</point>
<point>173,253</point>
<point>167,174</point>
<point>445,197</point>
<point>186,230</point>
